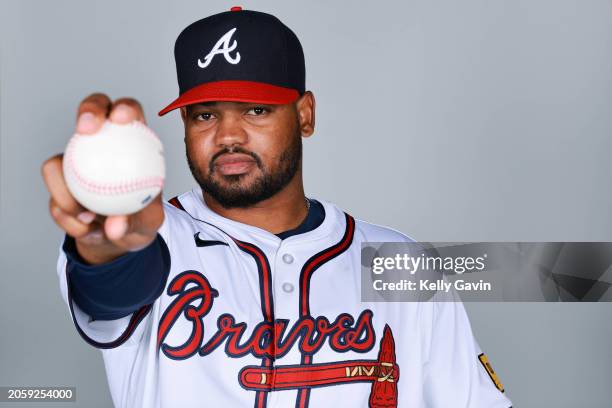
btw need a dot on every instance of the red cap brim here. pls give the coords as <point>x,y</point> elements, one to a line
<point>238,91</point>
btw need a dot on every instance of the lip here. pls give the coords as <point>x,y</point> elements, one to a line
<point>234,163</point>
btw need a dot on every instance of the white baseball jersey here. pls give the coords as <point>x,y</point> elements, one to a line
<point>250,320</point>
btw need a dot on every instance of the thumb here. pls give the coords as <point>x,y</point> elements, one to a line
<point>116,226</point>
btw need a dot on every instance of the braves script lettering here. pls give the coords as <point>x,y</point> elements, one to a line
<point>267,339</point>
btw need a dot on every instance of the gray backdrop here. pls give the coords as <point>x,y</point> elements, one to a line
<point>448,120</point>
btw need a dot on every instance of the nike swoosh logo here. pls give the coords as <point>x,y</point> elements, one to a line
<point>206,242</point>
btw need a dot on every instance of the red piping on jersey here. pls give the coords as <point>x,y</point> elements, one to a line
<point>175,202</point>
<point>265,279</point>
<point>265,282</point>
<point>136,318</point>
<point>319,259</point>
<point>267,303</point>
<point>307,270</point>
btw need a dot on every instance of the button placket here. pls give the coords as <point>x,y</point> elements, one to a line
<point>286,277</point>
<point>287,258</point>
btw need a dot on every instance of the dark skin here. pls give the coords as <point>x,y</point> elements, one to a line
<point>262,130</point>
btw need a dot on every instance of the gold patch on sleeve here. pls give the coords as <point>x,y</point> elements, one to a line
<point>487,366</point>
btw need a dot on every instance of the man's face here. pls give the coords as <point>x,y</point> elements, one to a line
<point>242,153</point>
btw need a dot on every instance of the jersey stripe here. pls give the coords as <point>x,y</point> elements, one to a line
<point>265,284</point>
<point>175,202</point>
<point>135,320</point>
<point>267,304</point>
<point>314,263</point>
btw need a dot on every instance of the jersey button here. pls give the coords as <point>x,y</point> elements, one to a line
<point>287,258</point>
<point>287,287</point>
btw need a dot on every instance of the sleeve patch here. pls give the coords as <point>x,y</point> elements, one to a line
<point>487,366</point>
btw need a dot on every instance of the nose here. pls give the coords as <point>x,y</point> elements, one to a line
<point>230,131</point>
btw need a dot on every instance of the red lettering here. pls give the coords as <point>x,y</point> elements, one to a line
<point>267,339</point>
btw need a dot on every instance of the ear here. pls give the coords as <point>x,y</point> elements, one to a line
<point>184,114</point>
<point>305,106</point>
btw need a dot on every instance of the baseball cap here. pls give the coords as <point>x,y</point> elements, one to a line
<point>238,55</point>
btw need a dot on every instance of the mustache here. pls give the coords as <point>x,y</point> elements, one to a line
<point>233,149</point>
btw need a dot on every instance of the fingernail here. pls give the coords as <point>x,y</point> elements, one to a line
<point>86,217</point>
<point>86,123</point>
<point>122,113</point>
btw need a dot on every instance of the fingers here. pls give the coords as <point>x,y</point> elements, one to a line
<point>115,227</point>
<point>135,231</point>
<point>73,226</point>
<point>126,110</point>
<point>98,238</point>
<point>149,219</point>
<point>92,113</point>
<point>98,107</point>
<point>67,213</point>
<point>120,231</point>
<point>53,176</point>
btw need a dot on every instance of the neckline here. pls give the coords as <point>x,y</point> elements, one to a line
<point>195,205</point>
<point>314,218</point>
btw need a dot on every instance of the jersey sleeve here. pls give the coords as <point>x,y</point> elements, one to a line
<point>110,332</point>
<point>457,373</point>
<point>118,288</point>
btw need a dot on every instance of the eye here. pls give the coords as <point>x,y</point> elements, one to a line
<point>258,110</point>
<point>204,116</point>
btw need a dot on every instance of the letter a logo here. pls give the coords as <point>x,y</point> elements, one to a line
<point>222,47</point>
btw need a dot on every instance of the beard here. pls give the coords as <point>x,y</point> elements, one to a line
<point>232,191</point>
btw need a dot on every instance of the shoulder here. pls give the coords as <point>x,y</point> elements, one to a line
<point>177,221</point>
<point>379,233</point>
<point>181,220</point>
<point>367,231</point>
<point>174,212</point>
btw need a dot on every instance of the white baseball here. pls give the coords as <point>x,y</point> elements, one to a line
<point>116,171</point>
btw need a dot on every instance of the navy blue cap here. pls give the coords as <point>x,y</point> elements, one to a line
<point>238,55</point>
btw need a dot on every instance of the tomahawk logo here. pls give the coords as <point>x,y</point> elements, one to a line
<point>222,47</point>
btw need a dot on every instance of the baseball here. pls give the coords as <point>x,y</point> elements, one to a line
<point>116,171</point>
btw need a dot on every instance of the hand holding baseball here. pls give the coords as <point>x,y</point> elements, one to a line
<point>100,238</point>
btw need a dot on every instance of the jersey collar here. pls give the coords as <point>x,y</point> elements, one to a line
<point>331,227</point>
